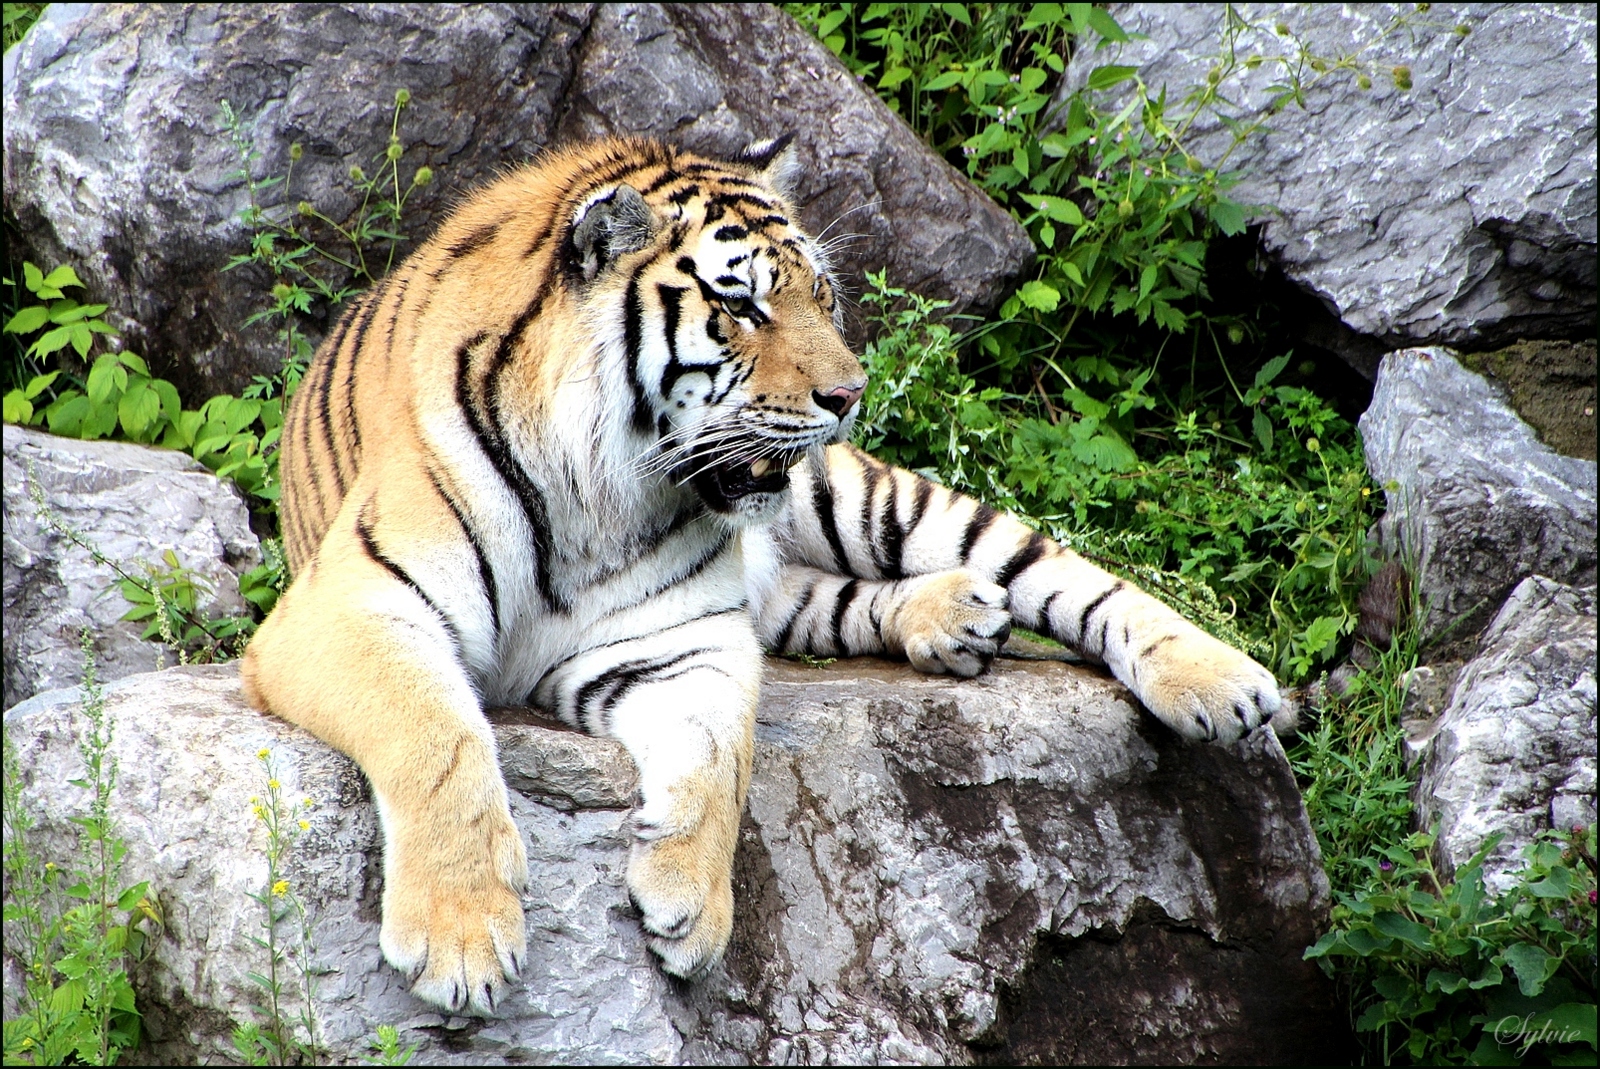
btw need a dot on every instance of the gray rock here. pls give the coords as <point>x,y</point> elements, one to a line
<point>132,503</point>
<point>715,77</point>
<point>1459,212</point>
<point>1024,866</point>
<point>115,159</point>
<point>1476,502</point>
<point>1515,751</point>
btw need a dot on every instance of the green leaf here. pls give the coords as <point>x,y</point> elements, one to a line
<point>32,277</point>
<point>1556,885</point>
<point>51,341</point>
<point>102,379</point>
<point>1102,23</point>
<point>81,337</point>
<point>1040,296</point>
<point>1228,216</point>
<point>1109,75</point>
<point>1402,928</point>
<point>1532,965</point>
<point>61,278</point>
<point>1263,430</point>
<point>943,81</point>
<point>1570,1022</point>
<point>1270,370</point>
<point>139,409</point>
<point>28,320</point>
<point>18,409</point>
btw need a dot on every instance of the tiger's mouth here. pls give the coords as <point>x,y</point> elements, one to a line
<point>722,485</point>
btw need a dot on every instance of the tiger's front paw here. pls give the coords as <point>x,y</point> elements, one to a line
<point>452,913</point>
<point>681,881</point>
<point>1205,689</point>
<point>950,622</point>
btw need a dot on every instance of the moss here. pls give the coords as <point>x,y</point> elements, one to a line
<point>1551,384</point>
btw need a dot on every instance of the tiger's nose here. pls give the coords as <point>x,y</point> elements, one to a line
<point>840,399</point>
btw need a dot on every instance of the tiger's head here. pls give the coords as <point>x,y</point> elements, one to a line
<point>723,320</point>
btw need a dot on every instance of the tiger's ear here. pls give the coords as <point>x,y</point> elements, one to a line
<point>612,223</point>
<point>775,162</point>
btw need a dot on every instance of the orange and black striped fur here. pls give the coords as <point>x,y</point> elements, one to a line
<point>584,448</point>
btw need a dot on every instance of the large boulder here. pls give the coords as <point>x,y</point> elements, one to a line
<point>130,503</point>
<point>1514,753</point>
<point>1025,866</point>
<point>1460,211</point>
<point>1476,503</point>
<point>117,163</point>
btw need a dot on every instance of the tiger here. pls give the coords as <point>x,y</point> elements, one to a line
<point>587,449</point>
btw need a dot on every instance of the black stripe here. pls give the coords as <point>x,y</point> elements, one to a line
<point>841,605</point>
<point>781,645</point>
<point>1043,622</point>
<point>870,474</point>
<point>983,518</point>
<point>731,232</point>
<point>662,180</point>
<point>369,545</point>
<point>485,572</point>
<point>684,195</point>
<point>1024,559</point>
<point>303,420</point>
<point>493,444</point>
<point>891,533</point>
<point>671,316</point>
<point>1157,644</point>
<point>619,679</point>
<point>324,422</point>
<point>474,240</point>
<point>822,502</point>
<point>632,341</point>
<point>1088,610</point>
<point>732,200</point>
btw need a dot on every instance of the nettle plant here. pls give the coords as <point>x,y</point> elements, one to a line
<point>316,262</point>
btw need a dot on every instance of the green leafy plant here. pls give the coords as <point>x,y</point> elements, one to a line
<point>1451,973</point>
<point>313,258</point>
<point>386,1049</point>
<point>19,18</point>
<point>73,933</point>
<point>275,1040</point>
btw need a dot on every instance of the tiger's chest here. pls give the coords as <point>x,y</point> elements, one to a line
<point>695,570</point>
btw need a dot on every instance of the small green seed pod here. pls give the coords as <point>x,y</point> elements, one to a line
<point>1402,78</point>
<point>402,97</point>
<point>423,176</point>
<point>394,151</point>
<point>305,208</point>
<point>357,174</point>
<point>1282,29</point>
<point>1124,208</point>
<point>296,150</point>
<point>281,292</point>
<point>1363,82</point>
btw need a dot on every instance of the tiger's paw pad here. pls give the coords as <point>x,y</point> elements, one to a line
<point>954,622</point>
<point>685,907</point>
<point>460,946</point>
<point>1205,689</point>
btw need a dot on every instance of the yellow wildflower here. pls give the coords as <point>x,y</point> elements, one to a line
<point>263,753</point>
<point>273,784</point>
<point>279,888</point>
<point>304,824</point>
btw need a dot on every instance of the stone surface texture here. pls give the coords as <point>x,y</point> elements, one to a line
<point>132,503</point>
<point>1515,751</point>
<point>1478,502</point>
<point>116,161</point>
<point>1023,866</point>
<point>1459,212</point>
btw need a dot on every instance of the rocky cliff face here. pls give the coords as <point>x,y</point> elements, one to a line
<point>1023,866</point>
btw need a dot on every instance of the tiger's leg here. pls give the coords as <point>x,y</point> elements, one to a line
<point>865,519</point>
<point>360,660</point>
<point>683,702</point>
